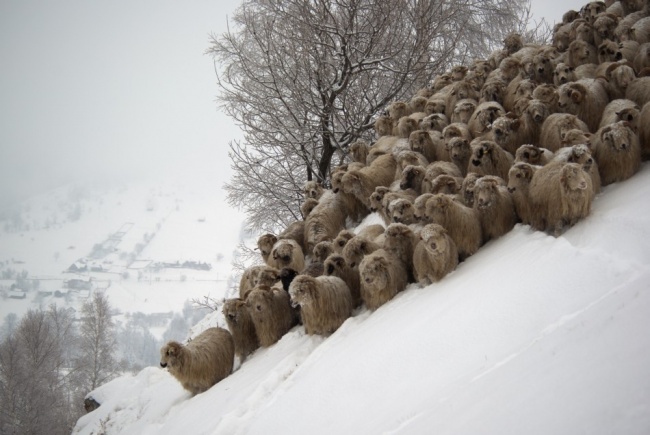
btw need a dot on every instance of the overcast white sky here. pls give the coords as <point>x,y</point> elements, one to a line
<point>112,89</point>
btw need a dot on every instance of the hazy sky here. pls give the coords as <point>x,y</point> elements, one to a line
<point>112,89</point>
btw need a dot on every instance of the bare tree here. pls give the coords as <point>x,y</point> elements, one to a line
<point>34,375</point>
<point>305,79</point>
<point>97,343</point>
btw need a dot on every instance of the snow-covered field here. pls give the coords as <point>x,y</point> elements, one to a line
<point>532,335</point>
<point>138,224</point>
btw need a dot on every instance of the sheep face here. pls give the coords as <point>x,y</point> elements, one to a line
<point>407,125</point>
<point>401,210</point>
<point>485,192</point>
<point>232,310</point>
<point>434,238</point>
<point>575,136</point>
<point>573,177</point>
<point>525,89</point>
<point>519,175</point>
<point>418,140</point>
<point>265,244</point>
<point>260,301</point>
<point>171,355</point>
<point>451,131</point>
<point>629,114</point>
<point>351,183</point>
<point>418,103</point>
<point>302,290</point>
<point>504,128</point>
<point>580,53</point>
<point>410,175</point>
<point>384,125</point>
<point>444,184</point>
<point>337,178</point>
<point>437,206</point>
<point>283,253</point>
<point>406,158</point>
<point>458,148</point>
<point>468,187</point>
<point>617,137</point>
<point>312,189</point>
<point>394,232</point>
<point>398,109</point>
<point>493,91</point>
<point>463,111</point>
<point>563,74</point>
<point>482,150</point>
<point>546,93</point>
<point>607,51</point>
<point>376,273</point>
<point>537,111</point>
<point>419,206</point>
<point>529,154</point>
<point>377,197</point>
<point>340,241</point>
<point>436,121</point>
<point>591,10</point>
<point>570,96</point>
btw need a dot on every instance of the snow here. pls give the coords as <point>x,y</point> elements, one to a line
<point>533,334</point>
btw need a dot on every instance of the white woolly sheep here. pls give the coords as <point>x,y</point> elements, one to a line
<point>359,151</point>
<point>459,153</point>
<point>322,250</point>
<point>574,137</point>
<point>581,53</point>
<point>287,253</point>
<point>520,176</point>
<point>561,194</point>
<point>400,242</point>
<point>463,110</point>
<point>382,277</point>
<point>325,302</point>
<point>621,110</point>
<point>582,155</point>
<point>460,90</point>
<point>241,327</point>
<point>586,99</point>
<point>461,222</point>
<point>642,57</point>
<point>495,207</point>
<point>249,280</point>
<point>312,189</point>
<point>533,154</point>
<point>467,188</point>
<point>435,121</point>
<point>385,126</point>
<point>435,105</point>
<point>617,151</point>
<point>644,131</point>
<point>619,76</point>
<point>419,206</point>
<point>555,126</point>
<point>547,94</point>
<point>412,178</point>
<point>357,248</point>
<point>511,131</point>
<point>435,255</point>
<point>265,244</point>
<point>401,211</point>
<point>438,168</point>
<point>428,143</point>
<point>639,91</point>
<point>325,221</point>
<point>563,74</point>
<point>493,91</point>
<point>640,31</point>
<point>607,51</point>
<point>362,183</point>
<point>480,123</point>
<point>448,184</point>
<point>488,158</point>
<point>271,313</point>
<point>202,362</point>
<point>398,109</point>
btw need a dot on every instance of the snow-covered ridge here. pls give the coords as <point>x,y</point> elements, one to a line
<point>532,334</point>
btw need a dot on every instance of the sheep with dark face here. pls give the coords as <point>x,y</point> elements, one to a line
<point>617,151</point>
<point>495,207</point>
<point>412,178</point>
<point>241,327</point>
<point>202,362</point>
<point>325,302</point>
<point>271,313</point>
<point>382,277</point>
<point>561,194</point>
<point>461,222</point>
<point>435,255</point>
<point>488,158</point>
<point>335,265</point>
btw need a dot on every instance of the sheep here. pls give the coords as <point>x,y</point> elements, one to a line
<point>519,178</point>
<point>543,67</point>
<point>644,131</point>
<point>461,222</point>
<point>454,130</point>
<point>640,31</point>
<point>271,313</point>
<point>581,53</point>
<point>385,126</point>
<point>398,109</point>
<point>287,253</point>
<point>439,168</point>
<point>325,221</point>
<point>357,248</point>
<point>312,189</point>
<point>325,302</point>
<point>488,158</point>
<point>412,178</point>
<point>435,121</point>
<point>384,145</point>
<point>362,183</point>
<point>249,280</point>
<point>400,242</point>
<point>533,155</point>
<point>459,91</point>
<point>512,43</point>
<point>401,210</point>
<point>341,239</point>
<point>419,206</point>
<point>436,105</point>
<point>517,90</point>
<point>591,10</point>
<point>495,207</point>
<point>408,158</point>
<point>639,91</point>
<point>445,183</point>
<point>241,327</point>
<point>459,152</point>
<point>335,265</point>
<point>467,188</point>
<point>561,193</point>
<point>408,124</point>
<point>620,110</point>
<point>619,76</point>
<point>582,155</point>
<point>628,50</point>
<point>435,255</point>
<point>555,126</point>
<point>382,277</point>
<point>265,244</point>
<point>480,123</point>
<point>642,57</point>
<point>463,110</point>
<point>359,151</point>
<point>604,28</point>
<point>584,31</point>
<point>617,151</point>
<point>322,250</point>
<point>547,94</point>
<point>429,144</point>
<point>586,99</point>
<point>418,103</point>
<point>607,51</point>
<point>268,276</point>
<point>308,206</point>
<point>493,91</point>
<point>202,362</point>
<point>511,131</point>
<point>575,136</point>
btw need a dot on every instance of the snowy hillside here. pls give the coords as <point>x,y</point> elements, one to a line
<point>533,335</point>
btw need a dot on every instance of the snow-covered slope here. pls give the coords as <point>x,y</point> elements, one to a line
<point>532,335</point>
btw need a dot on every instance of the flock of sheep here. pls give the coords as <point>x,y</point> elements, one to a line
<point>528,135</point>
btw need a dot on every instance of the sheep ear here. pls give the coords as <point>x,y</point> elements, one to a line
<point>605,131</point>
